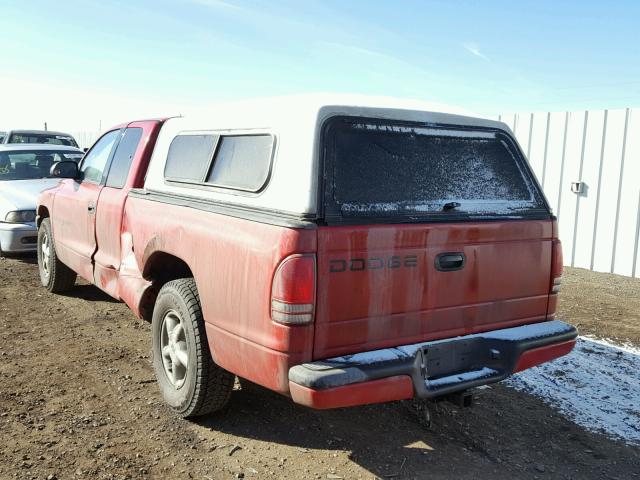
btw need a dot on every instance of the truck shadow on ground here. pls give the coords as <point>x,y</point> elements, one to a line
<point>81,290</point>
<point>90,293</point>
<point>507,434</point>
<point>387,440</point>
<point>26,258</point>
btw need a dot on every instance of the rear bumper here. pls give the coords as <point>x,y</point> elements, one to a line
<point>429,369</point>
<point>18,237</point>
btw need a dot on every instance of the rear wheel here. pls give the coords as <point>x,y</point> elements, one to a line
<point>55,276</point>
<point>190,382</point>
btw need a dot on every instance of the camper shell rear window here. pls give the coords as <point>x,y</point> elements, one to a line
<point>403,172</point>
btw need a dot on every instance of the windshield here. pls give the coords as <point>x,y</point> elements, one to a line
<point>386,169</point>
<point>32,164</point>
<point>47,138</point>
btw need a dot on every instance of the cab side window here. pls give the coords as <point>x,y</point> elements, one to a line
<point>121,163</point>
<point>95,161</point>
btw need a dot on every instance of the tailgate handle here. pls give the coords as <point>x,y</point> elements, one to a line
<point>449,262</point>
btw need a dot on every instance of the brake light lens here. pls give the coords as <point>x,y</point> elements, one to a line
<point>556,266</point>
<point>293,291</point>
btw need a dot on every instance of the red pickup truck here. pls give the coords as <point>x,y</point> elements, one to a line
<point>338,254</point>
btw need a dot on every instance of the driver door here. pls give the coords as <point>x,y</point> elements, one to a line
<point>74,207</point>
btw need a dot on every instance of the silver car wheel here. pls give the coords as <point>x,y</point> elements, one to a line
<point>175,350</point>
<point>45,249</point>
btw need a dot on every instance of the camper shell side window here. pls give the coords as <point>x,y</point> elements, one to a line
<point>229,161</point>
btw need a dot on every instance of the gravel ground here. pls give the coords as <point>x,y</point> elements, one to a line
<point>601,304</point>
<point>78,400</point>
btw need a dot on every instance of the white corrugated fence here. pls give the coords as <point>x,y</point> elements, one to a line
<point>598,152</point>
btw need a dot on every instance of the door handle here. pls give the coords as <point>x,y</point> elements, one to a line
<point>449,262</point>
<point>91,208</point>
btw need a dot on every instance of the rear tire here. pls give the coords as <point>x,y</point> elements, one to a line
<point>55,276</point>
<point>199,387</point>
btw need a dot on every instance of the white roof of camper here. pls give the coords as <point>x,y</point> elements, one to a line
<point>295,122</point>
<point>269,112</point>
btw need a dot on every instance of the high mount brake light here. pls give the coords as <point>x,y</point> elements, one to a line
<point>293,291</point>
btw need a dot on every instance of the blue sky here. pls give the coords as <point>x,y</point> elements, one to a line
<point>487,56</point>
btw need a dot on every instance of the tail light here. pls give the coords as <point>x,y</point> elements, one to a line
<point>556,266</point>
<point>293,292</point>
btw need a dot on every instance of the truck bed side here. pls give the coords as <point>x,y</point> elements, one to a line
<point>232,261</point>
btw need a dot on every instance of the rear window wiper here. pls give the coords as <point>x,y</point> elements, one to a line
<point>450,206</point>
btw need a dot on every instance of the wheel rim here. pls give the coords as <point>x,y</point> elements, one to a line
<point>45,249</point>
<point>175,350</point>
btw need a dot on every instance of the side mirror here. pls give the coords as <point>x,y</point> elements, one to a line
<point>64,169</point>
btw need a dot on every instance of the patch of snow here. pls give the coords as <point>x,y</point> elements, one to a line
<point>627,347</point>
<point>597,386</point>
<point>440,132</point>
<point>523,332</point>
<point>462,377</point>
<point>531,331</point>
<point>371,357</point>
<point>494,207</point>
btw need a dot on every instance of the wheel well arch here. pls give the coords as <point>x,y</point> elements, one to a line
<point>160,268</point>
<point>42,212</point>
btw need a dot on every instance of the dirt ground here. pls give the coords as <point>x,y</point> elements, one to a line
<point>601,304</point>
<point>78,400</point>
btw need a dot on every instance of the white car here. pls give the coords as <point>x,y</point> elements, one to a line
<point>24,173</point>
<point>37,136</point>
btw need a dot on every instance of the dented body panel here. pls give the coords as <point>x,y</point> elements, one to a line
<point>110,234</point>
<point>232,261</point>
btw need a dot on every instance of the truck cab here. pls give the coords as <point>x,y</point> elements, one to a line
<point>339,253</point>
<point>116,163</point>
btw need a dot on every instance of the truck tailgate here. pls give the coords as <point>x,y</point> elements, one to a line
<point>379,285</point>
